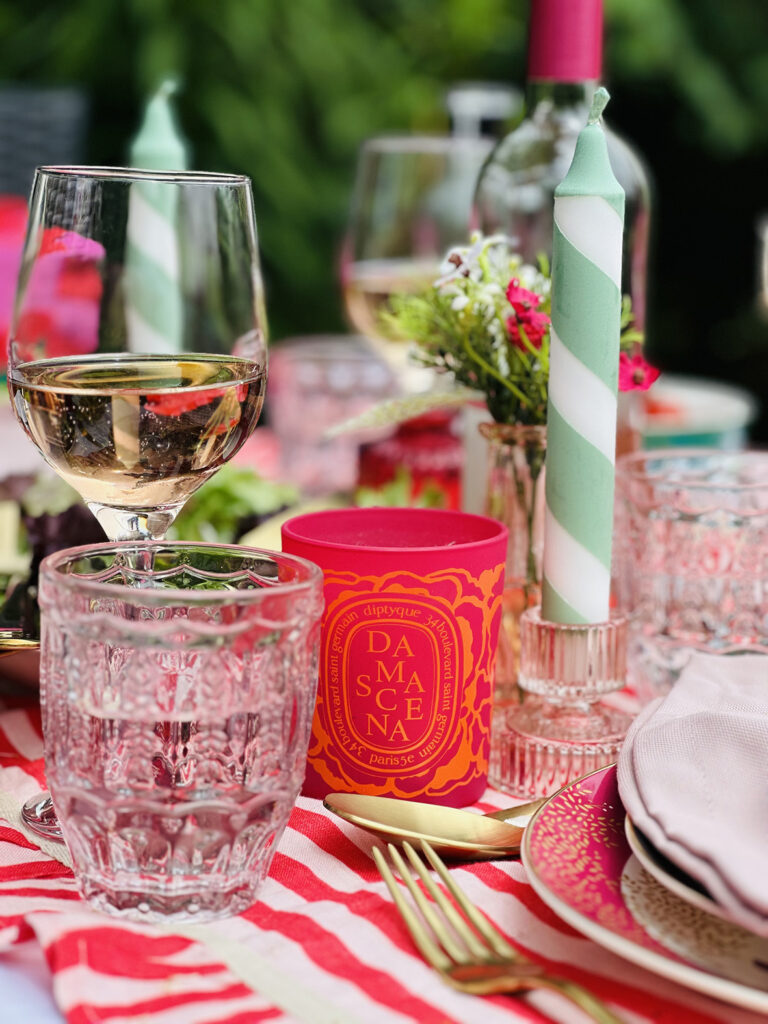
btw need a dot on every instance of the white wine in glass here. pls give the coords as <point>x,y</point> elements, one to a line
<point>369,284</point>
<point>138,433</point>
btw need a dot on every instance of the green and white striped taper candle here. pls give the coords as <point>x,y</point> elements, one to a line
<point>155,309</point>
<point>583,378</point>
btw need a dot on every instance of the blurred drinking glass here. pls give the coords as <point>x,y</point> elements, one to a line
<point>316,383</point>
<point>411,202</point>
<point>691,558</point>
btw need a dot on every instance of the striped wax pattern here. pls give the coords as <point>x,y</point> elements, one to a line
<point>323,945</point>
<point>154,306</point>
<point>581,424</point>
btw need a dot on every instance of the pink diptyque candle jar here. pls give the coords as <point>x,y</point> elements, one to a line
<point>412,613</point>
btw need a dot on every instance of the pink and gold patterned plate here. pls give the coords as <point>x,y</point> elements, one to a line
<point>578,861</point>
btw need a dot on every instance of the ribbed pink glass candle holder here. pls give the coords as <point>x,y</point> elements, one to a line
<point>561,729</point>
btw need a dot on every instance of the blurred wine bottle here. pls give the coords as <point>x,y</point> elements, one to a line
<point>515,188</point>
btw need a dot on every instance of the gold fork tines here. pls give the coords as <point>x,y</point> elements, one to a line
<point>461,944</point>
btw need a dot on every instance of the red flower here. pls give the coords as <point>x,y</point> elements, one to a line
<point>79,279</point>
<point>177,403</point>
<point>520,299</point>
<point>535,325</point>
<point>527,318</point>
<point>635,374</point>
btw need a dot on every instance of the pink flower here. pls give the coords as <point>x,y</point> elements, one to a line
<point>60,314</point>
<point>69,243</point>
<point>635,374</point>
<point>520,299</point>
<point>527,318</point>
<point>535,325</point>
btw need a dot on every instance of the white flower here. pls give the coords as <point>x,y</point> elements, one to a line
<point>491,290</point>
<point>497,332</point>
<point>463,261</point>
<point>459,302</point>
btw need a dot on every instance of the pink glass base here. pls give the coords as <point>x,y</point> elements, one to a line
<point>561,728</point>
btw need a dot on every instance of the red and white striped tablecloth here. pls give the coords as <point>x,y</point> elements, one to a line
<point>323,945</point>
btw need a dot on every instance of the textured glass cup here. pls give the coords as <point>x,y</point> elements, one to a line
<point>177,703</point>
<point>317,382</point>
<point>691,558</point>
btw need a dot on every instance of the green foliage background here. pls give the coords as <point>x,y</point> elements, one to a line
<point>285,90</point>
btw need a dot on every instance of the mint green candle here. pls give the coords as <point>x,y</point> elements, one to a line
<point>584,359</point>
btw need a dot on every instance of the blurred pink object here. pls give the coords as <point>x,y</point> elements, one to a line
<point>315,383</point>
<point>62,300</point>
<point>13,221</point>
<point>261,453</point>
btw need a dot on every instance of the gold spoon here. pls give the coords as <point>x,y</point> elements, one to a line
<point>448,830</point>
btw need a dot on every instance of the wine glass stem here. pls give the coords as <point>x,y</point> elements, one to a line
<point>121,524</point>
<point>134,524</point>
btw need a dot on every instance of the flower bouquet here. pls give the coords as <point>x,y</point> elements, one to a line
<point>486,322</point>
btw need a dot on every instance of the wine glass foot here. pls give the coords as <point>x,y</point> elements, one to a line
<point>39,816</point>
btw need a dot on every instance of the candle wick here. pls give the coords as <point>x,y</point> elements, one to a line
<point>599,103</point>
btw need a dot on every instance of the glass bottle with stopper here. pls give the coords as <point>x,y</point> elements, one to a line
<point>515,188</point>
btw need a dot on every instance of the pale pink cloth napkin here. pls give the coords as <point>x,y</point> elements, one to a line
<point>693,776</point>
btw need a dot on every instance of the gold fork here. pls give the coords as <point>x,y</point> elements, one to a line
<point>475,959</point>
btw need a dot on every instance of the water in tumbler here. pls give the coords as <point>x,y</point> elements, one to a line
<point>177,701</point>
<point>143,798</point>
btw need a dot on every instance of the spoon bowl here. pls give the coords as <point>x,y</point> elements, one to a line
<point>450,831</point>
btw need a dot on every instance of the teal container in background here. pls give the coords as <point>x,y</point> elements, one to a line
<point>695,412</point>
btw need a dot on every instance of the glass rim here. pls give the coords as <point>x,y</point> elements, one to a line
<point>309,528</point>
<point>51,570</point>
<point>492,430</point>
<point>426,144</point>
<point>131,174</point>
<point>630,467</point>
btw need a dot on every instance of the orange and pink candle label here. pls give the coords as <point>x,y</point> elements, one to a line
<point>406,679</point>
